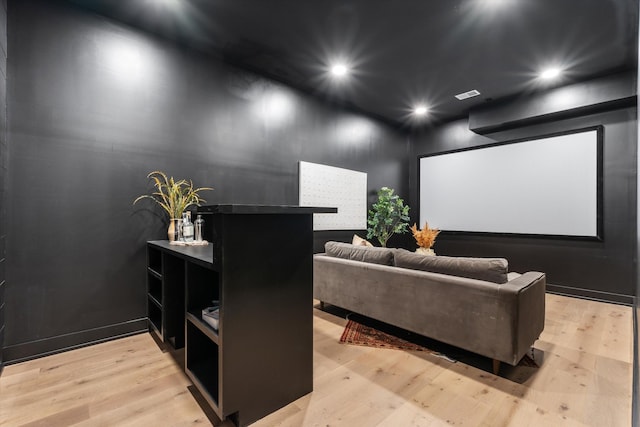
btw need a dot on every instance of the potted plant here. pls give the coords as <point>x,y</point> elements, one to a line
<point>425,238</point>
<point>388,216</point>
<point>174,196</point>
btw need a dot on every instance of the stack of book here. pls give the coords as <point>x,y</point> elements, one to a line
<point>211,315</point>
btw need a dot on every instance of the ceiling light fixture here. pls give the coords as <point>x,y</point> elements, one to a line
<point>550,73</point>
<point>420,110</point>
<point>339,70</point>
<point>169,3</point>
<point>165,4</point>
<point>495,3</point>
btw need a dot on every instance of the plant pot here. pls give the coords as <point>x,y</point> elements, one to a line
<point>172,232</point>
<point>425,251</point>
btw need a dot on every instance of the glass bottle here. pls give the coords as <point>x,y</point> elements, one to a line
<point>179,230</point>
<point>187,227</point>
<point>199,223</point>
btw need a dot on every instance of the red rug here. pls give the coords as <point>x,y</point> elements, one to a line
<point>358,334</point>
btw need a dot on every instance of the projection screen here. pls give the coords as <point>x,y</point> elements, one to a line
<point>549,186</point>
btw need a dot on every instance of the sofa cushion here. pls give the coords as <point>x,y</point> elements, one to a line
<point>369,254</point>
<point>488,269</point>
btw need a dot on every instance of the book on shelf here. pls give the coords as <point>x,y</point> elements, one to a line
<point>211,315</point>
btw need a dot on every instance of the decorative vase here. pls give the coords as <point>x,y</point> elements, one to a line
<point>425,251</point>
<point>172,232</point>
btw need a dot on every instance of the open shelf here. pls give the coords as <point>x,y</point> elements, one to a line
<point>203,288</point>
<point>173,284</point>
<point>154,273</point>
<point>202,357</point>
<point>154,260</point>
<point>154,287</point>
<point>155,315</point>
<point>196,320</point>
<point>165,296</point>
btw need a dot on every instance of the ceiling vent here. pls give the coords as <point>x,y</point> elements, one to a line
<point>466,95</point>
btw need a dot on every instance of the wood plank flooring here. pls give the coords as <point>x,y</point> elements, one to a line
<point>584,379</point>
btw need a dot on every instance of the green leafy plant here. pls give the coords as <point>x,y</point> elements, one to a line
<point>388,216</point>
<point>173,196</point>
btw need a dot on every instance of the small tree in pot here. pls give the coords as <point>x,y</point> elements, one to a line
<point>388,216</point>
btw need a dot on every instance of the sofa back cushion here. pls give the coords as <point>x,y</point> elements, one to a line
<point>369,254</point>
<point>488,269</point>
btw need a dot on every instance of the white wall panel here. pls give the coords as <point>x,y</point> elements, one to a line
<point>329,186</point>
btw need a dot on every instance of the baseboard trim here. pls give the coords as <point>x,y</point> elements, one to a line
<point>48,346</point>
<point>2,361</point>
<point>635,415</point>
<point>591,294</point>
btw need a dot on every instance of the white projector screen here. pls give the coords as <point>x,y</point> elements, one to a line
<point>547,186</point>
<point>329,186</point>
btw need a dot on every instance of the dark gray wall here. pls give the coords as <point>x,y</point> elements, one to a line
<point>4,146</point>
<point>603,270</point>
<point>95,106</point>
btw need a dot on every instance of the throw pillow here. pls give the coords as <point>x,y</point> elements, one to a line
<point>488,269</point>
<point>359,241</point>
<point>372,255</point>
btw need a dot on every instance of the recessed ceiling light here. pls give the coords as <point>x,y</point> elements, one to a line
<point>550,73</point>
<point>496,2</point>
<point>339,70</point>
<point>468,94</point>
<point>420,110</point>
<point>168,3</point>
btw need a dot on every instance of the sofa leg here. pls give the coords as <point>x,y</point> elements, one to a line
<point>496,366</point>
<point>321,305</point>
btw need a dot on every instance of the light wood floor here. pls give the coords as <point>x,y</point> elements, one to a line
<point>585,379</point>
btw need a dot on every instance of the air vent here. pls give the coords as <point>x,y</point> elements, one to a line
<point>469,94</point>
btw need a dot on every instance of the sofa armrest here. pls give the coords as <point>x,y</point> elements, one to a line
<point>517,284</point>
<point>523,303</point>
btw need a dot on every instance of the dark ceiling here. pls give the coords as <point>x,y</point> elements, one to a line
<point>401,52</point>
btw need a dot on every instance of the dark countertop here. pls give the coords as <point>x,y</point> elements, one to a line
<point>203,255</point>
<point>264,209</point>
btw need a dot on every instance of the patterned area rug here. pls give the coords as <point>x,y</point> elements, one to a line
<point>359,334</point>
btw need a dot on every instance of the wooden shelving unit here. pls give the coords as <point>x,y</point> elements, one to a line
<point>167,274</point>
<point>154,291</point>
<point>259,268</point>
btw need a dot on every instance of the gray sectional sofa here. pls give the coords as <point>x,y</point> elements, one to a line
<point>471,303</point>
